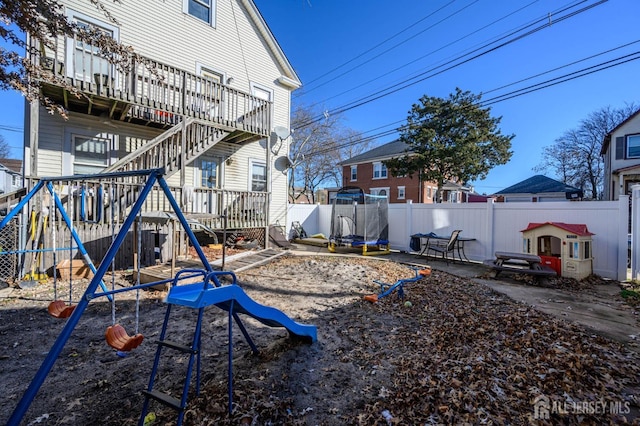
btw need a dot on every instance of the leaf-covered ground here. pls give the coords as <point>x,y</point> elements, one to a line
<point>457,353</point>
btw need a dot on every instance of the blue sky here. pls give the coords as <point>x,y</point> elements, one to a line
<point>383,43</point>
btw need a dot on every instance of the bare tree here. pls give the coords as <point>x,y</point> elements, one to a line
<point>44,21</point>
<point>5,149</point>
<point>575,156</point>
<point>320,142</point>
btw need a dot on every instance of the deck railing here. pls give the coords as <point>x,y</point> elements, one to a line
<point>157,91</point>
<point>107,202</point>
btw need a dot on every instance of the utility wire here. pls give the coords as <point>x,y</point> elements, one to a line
<point>377,45</point>
<point>408,83</point>
<point>423,56</point>
<point>392,47</point>
<point>507,96</point>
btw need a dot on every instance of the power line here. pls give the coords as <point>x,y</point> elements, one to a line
<point>408,82</point>
<point>507,96</point>
<point>11,128</point>
<point>377,45</point>
<point>423,56</point>
<point>392,47</point>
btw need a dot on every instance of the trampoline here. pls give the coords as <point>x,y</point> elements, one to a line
<point>359,221</point>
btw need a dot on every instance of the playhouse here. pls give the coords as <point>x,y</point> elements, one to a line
<point>566,247</point>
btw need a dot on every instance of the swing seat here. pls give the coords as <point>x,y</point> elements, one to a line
<point>118,338</point>
<point>59,309</point>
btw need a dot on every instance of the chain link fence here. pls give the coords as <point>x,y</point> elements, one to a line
<point>9,241</point>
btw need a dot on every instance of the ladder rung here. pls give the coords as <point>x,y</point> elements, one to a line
<point>165,399</point>
<point>177,346</point>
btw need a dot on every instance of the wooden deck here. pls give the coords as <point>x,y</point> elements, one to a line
<point>237,263</point>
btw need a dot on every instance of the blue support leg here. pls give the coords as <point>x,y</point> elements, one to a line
<point>73,320</point>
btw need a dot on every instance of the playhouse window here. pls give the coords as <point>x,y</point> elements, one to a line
<point>574,250</point>
<point>587,250</point>
<point>526,245</point>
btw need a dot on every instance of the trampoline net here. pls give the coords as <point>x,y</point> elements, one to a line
<point>359,218</point>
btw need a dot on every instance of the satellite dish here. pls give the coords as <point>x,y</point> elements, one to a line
<point>282,132</point>
<point>283,163</point>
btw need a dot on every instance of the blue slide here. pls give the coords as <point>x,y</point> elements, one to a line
<point>198,296</point>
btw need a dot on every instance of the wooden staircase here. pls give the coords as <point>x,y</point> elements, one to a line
<point>173,149</point>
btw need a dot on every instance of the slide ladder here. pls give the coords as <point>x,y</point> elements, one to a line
<point>194,358</point>
<point>230,298</point>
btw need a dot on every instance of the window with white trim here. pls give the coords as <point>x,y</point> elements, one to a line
<point>205,10</point>
<point>354,173</point>
<point>379,171</point>
<point>209,168</point>
<point>633,146</point>
<point>90,154</point>
<point>401,193</point>
<point>88,64</point>
<point>258,176</point>
<point>210,89</point>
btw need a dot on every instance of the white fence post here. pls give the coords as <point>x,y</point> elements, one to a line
<point>635,232</point>
<point>489,229</point>
<point>408,224</point>
<point>623,237</point>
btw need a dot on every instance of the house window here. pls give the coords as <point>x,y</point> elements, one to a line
<point>379,171</point>
<point>90,154</point>
<point>401,193</point>
<point>209,90</point>
<point>204,10</point>
<point>354,173</point>
<point>88,64</point>
<point>261,92</point>
<point>258,176</point>
<point>382,192</point>
<point>633,146</point>
<point>526,245</point>
<point>209,172</point>
<point>16,180</point>
<point>429,192</point>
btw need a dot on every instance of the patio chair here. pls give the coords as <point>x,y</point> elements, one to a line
<point>444,250</point>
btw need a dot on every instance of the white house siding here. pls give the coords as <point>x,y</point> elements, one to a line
<point>615,187</point>
<point>54,158</point>
<point>234,46</point>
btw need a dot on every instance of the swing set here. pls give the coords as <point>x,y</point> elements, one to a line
<point>230,297</point>
<point>115,335</point>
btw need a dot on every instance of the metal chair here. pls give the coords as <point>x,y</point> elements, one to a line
<point>444,250</point>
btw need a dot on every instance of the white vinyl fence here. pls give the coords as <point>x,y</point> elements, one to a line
<point>496,226</point>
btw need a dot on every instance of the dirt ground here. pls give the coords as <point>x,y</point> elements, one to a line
<point>451,352</point>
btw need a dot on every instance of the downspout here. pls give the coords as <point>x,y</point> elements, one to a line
<point>269,187</point>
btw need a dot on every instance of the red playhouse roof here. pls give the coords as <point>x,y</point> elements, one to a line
<point>575,228</point>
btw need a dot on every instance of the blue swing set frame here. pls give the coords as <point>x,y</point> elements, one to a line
<point>153,176</point>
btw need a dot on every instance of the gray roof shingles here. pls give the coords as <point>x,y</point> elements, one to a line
<point>538,184</point>
<point>382,152</point>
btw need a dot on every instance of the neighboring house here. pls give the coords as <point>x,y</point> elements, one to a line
<point>368,172</point>
<point>300,196</point>
<point>202,102</point>
<point>621,153</point>
<point>10,175</point>
<point>539,188</point>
